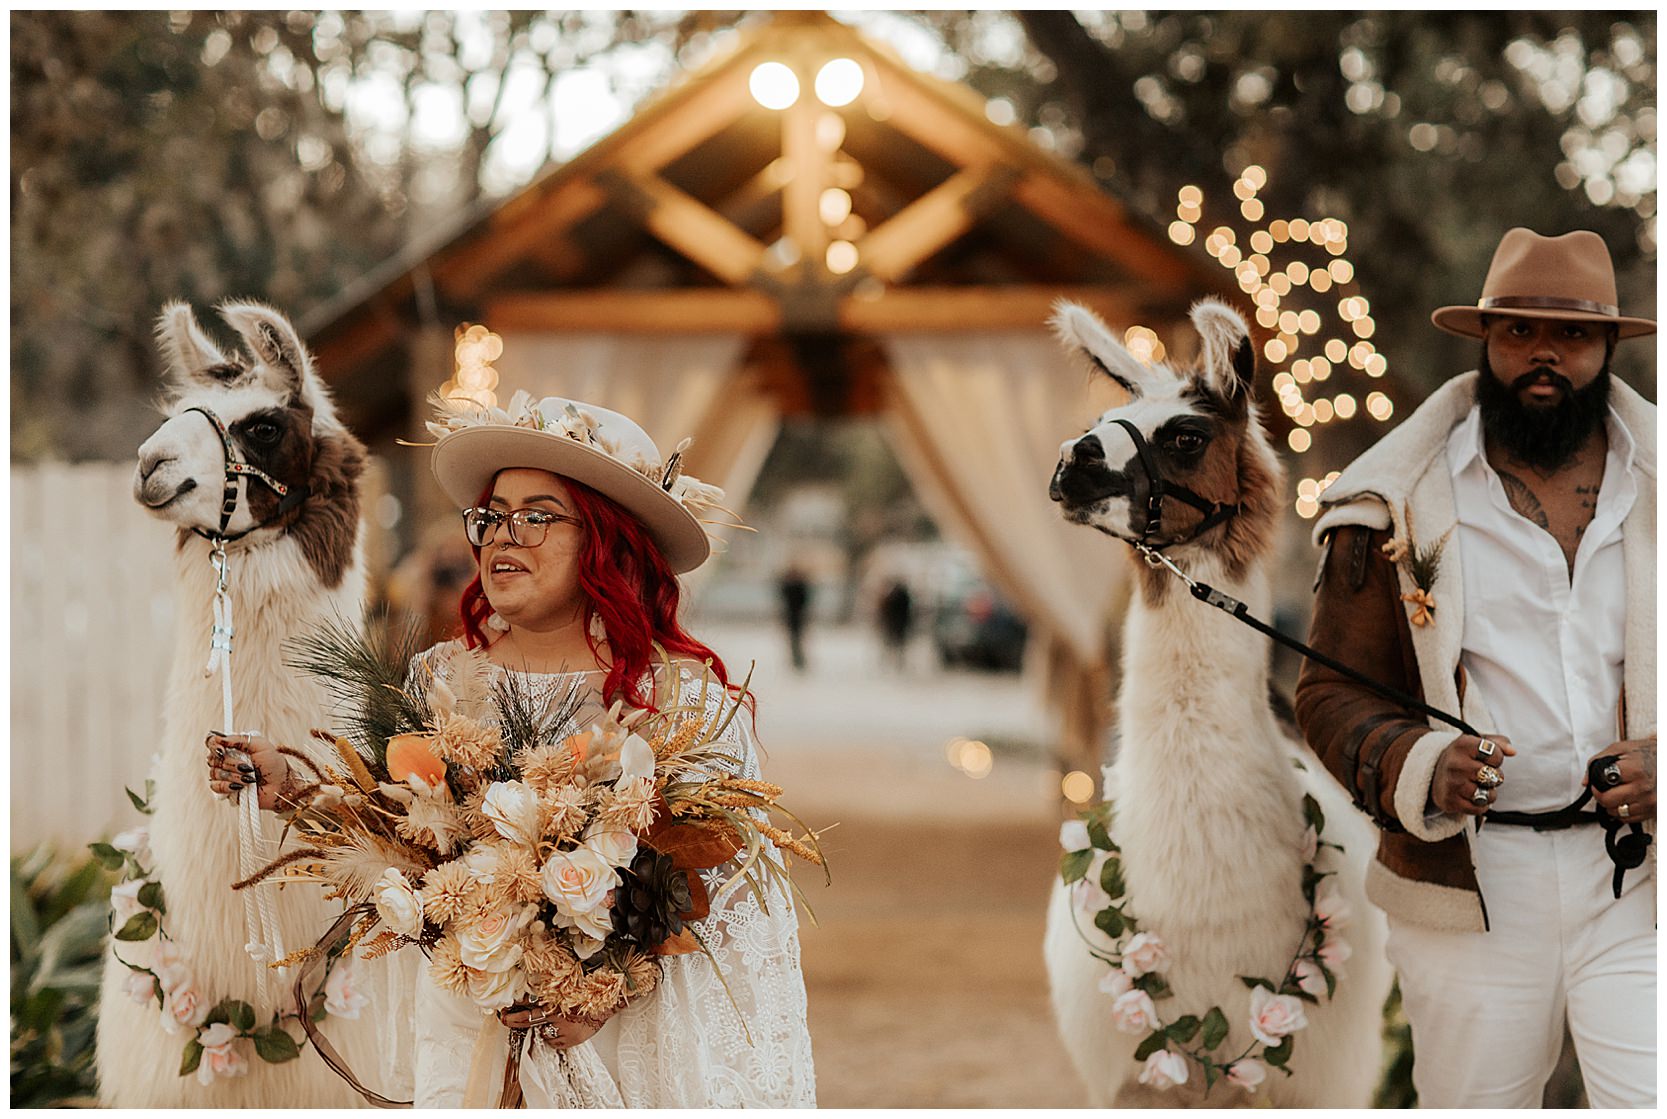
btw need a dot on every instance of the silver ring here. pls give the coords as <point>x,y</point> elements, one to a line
<point>1484,750</point>
<point>1624,812</point>
<point>1612,774</point>
<point>549,1035</point>
<point>1481,797</point>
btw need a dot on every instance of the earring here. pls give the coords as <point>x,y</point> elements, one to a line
<point>598,631</point>
<point>496,624</point>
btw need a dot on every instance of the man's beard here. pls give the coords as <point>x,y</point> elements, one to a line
<point>1547,437</point>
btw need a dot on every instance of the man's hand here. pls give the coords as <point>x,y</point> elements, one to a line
<point>1635,760</point>
<point>1453,788</point>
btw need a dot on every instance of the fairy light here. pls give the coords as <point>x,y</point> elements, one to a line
<point>1275,264</point>
<point>1143,342</point>
<point>474,350</point>
<point>1077,787</point>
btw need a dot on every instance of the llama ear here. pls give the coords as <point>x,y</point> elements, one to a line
<point>1229,351</point>
<point>1082,331</point>
<point>279,353</point>
<point>187,353</point>
<point>272,342</point>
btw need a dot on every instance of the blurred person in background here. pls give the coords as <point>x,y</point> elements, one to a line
<point>795,611</point>
<point>896,617</point>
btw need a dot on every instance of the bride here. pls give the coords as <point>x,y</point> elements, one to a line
<point>579,532</point>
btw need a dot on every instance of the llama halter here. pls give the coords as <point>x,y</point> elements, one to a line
<point>236,468</point>
<point>1156,488</point>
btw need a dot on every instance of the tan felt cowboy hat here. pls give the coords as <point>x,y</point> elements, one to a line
<point>604,450</point>
<point>1534,277</point>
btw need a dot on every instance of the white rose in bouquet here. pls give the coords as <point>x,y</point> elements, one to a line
<point>578,881</point>
<point>397,903</point>
<point>513,808</point>
<point>490,942</point>
<point>494,990</point>
<point>617,846</point>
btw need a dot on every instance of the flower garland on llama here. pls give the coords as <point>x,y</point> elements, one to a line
<point>218,1035</point>
<point>1093,871</point>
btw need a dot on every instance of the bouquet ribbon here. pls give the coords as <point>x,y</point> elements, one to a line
<point>304,981</point>
<point>546,1078</point>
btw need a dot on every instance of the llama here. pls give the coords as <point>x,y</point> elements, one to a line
<point>1206,788</point>
<point>300,564</point>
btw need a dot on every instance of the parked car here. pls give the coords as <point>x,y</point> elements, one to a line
<point>973,627</point>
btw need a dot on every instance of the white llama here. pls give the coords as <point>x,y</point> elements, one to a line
<point>1206,788</point>
<point>299,565</point>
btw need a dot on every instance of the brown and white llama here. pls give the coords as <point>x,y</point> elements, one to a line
<point>299,564</point>
<point>1206,787</point>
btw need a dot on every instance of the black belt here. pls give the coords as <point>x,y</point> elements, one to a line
<point>1627,851</point>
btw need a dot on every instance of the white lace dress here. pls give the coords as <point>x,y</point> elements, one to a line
<point>684,1045</point>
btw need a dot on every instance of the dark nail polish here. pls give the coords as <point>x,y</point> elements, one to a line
<point>247,769</point>
<point>236,785</point>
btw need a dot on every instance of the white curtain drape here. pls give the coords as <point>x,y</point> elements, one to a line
<point>674,385</point>
<point>977,419</point>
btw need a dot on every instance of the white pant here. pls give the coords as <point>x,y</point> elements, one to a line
<point>1487,1009</point>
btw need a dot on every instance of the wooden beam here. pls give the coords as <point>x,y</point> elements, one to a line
<point>1092,220</point>
<point>514,232</point>
<point>687,115</point>
<point>808,167</point>
<point>684,311</point>
<point>719,310</point>
<point>688,225</point>
<point>933,221</point>
<point>339,355</point>
<point>931,309</point>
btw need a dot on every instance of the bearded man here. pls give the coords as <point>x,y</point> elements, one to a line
<point>1494,557</point>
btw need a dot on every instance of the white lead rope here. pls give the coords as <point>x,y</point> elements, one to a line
<point>260,921</point>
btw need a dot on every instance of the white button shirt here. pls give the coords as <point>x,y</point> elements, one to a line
<point>1544,650</point>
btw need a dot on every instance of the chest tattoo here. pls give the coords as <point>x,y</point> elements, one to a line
<point>1522,499</point>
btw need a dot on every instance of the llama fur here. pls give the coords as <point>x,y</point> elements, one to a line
<point>278,591</point>
<point>1207,792</point>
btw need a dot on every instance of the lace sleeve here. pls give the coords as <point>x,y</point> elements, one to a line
<point>696,1043</point>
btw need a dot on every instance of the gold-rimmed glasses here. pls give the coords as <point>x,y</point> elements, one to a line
<point>527,527</point>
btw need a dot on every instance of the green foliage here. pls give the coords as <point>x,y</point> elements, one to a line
<point>364,674</point>
<point>275,1046</point>
<point>58,924</point>
<point>1215,1028</point>
<point>1073,865</point>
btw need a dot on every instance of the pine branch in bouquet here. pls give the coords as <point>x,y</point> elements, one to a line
<point>364,673</point>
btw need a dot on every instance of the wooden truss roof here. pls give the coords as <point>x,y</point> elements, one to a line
<point>702,213</point>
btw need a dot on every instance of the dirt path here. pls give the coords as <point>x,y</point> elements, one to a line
<point>925,974</point>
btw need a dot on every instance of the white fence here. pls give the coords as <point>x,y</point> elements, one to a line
<point>92,616</point>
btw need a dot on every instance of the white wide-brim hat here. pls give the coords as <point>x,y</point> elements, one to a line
<point>599,448</point>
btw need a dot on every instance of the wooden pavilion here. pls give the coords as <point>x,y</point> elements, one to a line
<point>862,226</point>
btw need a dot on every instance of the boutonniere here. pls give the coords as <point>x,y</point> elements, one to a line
<point>1423,565</point>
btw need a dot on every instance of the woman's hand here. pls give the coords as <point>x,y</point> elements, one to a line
<point>551,1028</point>
<point>1635,760</point>
<point>1457,772</point>
<point>236,761</point>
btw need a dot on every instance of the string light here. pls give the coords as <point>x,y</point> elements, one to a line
<point>1254,259</point>
<point>473,378</point>
<point>1143,342</point>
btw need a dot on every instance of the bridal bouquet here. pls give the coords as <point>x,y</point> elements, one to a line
<point>528,860</point>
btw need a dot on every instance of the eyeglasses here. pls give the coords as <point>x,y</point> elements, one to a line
<point>527,527</point>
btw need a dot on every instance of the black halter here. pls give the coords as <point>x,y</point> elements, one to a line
<point>1150,488</point>
<point>289,497</point>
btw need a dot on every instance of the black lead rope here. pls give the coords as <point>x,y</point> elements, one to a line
<point>1627,852</point>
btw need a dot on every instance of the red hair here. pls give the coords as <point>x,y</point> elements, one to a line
<point>627,583</point>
